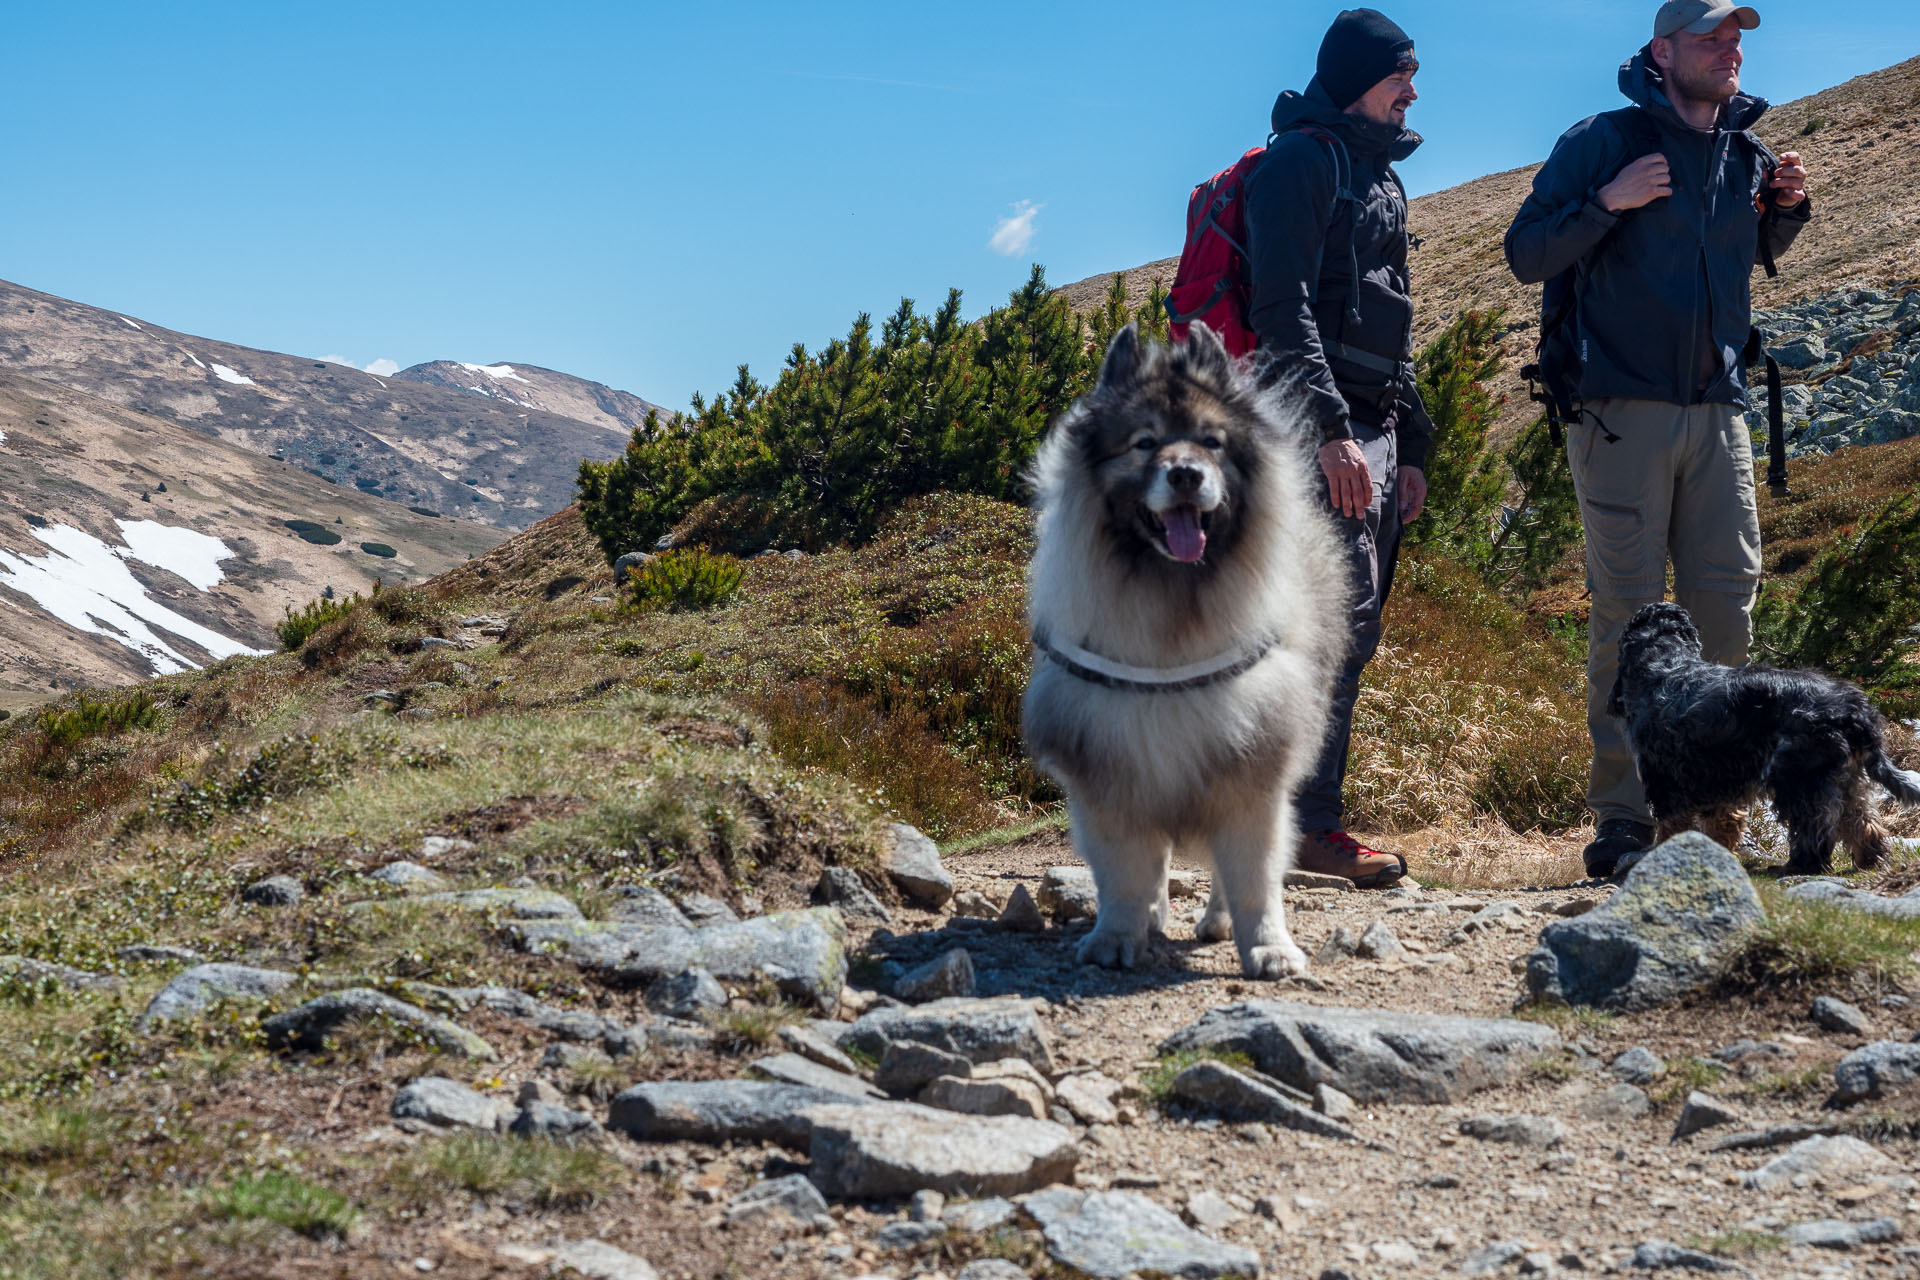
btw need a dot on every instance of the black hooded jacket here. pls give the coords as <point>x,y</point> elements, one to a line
<point>1662,293</point>
<point>1303,247</point>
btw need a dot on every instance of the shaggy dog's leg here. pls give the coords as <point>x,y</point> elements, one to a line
<point>1667,828</point>
<point>1217,924</point>
<point>1811,811</point>
<point>1251,849</point>
<point>1129,866</point>
<point>1724,825</point>
<point>1860,828</point>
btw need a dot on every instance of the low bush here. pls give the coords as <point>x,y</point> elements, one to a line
<point>91,717</point>
<point>297,626</point>
<point>380,549</point>
<point>295,1203</point>
<point>515,1170</point>
<point>313,532</point>
<point>684,579</point>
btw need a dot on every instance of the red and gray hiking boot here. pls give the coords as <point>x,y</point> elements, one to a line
<point>1335,853</point>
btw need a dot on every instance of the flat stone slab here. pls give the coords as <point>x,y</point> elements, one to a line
<point>27,969</point>
<point>1839,895</point>
<point>520,904</point>
<point>890,1149</point>
<point>1826,1160</point>
<point>803,952</point>
<point>977,1030</point>
<point>791,1068</point>
<point>1368,1054</point>
<point>793,1197</point>
<point>912,862</point>
<point>307,1026</point>
<point>1671,929</point>
<point>719,1111</point>
<point>594,1259</point>
<point>409,877</point>
<point>195,989</point>
<point>1836,1233</point>
<point>1113,1234</point>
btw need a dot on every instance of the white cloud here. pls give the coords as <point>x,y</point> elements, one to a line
<point>381,368</point>
<point>1013,234</point>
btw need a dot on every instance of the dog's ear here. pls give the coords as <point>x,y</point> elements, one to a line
<point>1617,700</point>
<point>1122,364</point>
<point>1207,356</point>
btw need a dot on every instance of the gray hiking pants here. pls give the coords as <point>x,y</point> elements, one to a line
<point>1372,544</point>
<point>1678,483</point>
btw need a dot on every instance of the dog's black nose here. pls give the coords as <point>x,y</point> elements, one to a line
<point>1184,477</point>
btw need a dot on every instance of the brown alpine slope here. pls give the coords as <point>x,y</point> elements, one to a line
<point>528,386</point>
<point>1861,143</point>
<point>477,449</point>
<point>73,470</point>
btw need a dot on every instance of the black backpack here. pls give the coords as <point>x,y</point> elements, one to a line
<point>1553,379</point>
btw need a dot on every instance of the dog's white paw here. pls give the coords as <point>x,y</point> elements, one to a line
<point>1215,926</point>
<point>1112,949</point>
<point>1286,961</point>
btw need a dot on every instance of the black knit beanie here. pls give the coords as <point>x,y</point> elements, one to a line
<point>1362,48</point>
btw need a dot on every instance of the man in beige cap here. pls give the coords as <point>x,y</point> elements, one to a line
<point>1645,225</point>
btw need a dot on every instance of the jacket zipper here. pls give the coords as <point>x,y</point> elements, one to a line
<point>1704,276</point>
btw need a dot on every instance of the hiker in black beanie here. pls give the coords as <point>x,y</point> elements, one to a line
<point>1327,249</point>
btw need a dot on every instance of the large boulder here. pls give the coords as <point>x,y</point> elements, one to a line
<point>1872,1069</point>
<point>448,1104</point>
<point>1371,1055</point>
<point>1671,929</point>
<point>892,1149</point>
<point>1118,1233</point>
<point>803,952</point>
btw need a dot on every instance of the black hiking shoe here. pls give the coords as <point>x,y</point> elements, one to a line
<point>1616,838</point>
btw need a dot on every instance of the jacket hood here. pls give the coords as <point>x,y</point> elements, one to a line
<point>1644,85</point>
<point>1316,107</point>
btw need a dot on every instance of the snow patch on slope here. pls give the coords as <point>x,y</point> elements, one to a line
<point>87,585</point>
<point>130,324</point>
<point>186,553</point>
<point>494,371</point>
<point>225,374</point>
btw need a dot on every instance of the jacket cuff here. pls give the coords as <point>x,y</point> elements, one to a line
<point>1412,451</point>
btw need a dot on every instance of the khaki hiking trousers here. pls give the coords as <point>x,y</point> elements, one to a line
<point>1677,484</point>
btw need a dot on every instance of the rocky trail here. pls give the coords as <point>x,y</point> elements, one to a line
<point>963,1099</point>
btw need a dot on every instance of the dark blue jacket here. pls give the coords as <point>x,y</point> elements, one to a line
<point>1302,253</point>
<point>1662,292</point>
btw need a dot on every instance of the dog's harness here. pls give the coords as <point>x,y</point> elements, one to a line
<point>1094,669</point>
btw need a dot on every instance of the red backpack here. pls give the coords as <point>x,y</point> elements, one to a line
<point>1214,281</point>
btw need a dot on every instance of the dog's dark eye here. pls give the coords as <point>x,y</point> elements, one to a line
<point>1146,444</point>
<point>1212,442</point>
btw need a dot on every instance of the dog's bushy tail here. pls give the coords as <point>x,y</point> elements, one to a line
<point>1903,783</point>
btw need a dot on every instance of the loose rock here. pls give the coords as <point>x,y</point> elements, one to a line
<point>1371,1055</point>
<point>793,1197</point>
<point>1022,913</point>
<point>978,1215</point>
<point>1214,1088</point>
<point>448,1104</point>
<point>150,953</point>
<point>842,887</point>
<point>26,969</point>
<point>1872,1069</point>
<point>274,891</point>
<point>553,1122</point>
<point>441,846</point>
<point>814,1046</point>
<point>1702,1111</point>
<point>1378,943</point>
<point>1659,1255</point>
<point>1490,1258</point>
<point>896,1236</point>
<point>890,1149</point>
<point>1518,1131</point>
<point>1840,895</point>
<point>1837,1015</point>
<point>308,1026</point>
<point>908,1066</point>
<point>912,862</point>
<point>1821,1160</point>
<point>1068,894</point>
<point>520,904</point>
<point>703,910</point>
<point>686,995</point>
<point>644,904</point>
<point>1638,1065</point>
<point>1088,1095</point>
<point>951,975</point>
<point>1118,1233</point>
<point>409,876</point>
<point>1669,930</point>
<point>1779,1135</point>
<point>990,1269</point>
<point>1833,1233</point>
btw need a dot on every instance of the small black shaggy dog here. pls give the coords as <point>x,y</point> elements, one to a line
<point>1709,740</point>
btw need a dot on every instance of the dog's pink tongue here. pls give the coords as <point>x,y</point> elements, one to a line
<point>1185,539</point>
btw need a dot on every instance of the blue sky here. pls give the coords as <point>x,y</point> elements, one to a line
<point>648,194</point>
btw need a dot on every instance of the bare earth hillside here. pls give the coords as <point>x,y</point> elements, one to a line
<point>495,457</point>
<point>531,387</point>
<point>73,472</point>
<point>1861,144</point>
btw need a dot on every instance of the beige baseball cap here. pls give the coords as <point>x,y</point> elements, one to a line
<point>1698,17</point>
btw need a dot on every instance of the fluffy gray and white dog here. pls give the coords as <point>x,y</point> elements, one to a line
<point>1189,617</point>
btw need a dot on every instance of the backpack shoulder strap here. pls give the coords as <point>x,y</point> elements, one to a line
<point>1342,193</point>
<point>1765,162</point>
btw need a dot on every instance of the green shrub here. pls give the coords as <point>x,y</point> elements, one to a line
<point>533,1170</point>
<point>1806,943</point>
<point>847,434</point>
<point>1855,612</point>
<point>295,1203</point>
<point>91,717</point>
<point>429,512</point>
<point>685,579</point>
<point>380,549</point>
<point>313,615</point>
<point>318,534</point>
